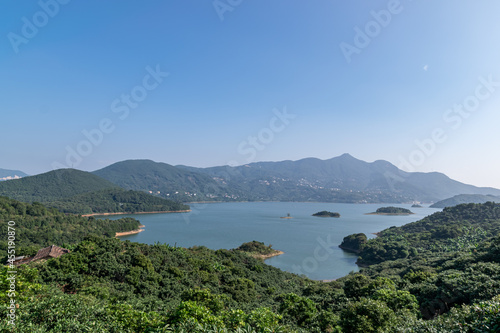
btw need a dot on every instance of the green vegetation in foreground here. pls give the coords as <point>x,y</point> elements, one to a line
<point>325,213</point>
<point>392,211</point>
<point>106,285</point>
<point>37,226</point>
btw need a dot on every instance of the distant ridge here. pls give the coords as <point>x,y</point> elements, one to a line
<point>6,174</point>
<point>465,198</point>
<point>339,179</point>
<point>163,180</point>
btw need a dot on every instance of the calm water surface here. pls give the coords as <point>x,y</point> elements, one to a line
<point>310,243</point>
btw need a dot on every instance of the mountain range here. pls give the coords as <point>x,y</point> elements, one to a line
<point>340,179</point>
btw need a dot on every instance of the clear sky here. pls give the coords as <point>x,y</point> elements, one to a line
<point>88,83</point>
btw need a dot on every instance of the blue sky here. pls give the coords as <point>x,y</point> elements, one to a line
<point>251,81</point>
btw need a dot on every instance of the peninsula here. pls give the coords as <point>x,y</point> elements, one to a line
<point>132,232</point>
<point>259,250</point>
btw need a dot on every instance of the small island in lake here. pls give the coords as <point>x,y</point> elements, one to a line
<point>416,206</point>
<point>326,214</point>
<point>259,250</point>
<point>392,211</point>
<point>288,216</point>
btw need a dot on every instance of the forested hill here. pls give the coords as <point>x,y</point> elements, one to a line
<point>116,201</point>
<point>80,192</point>
<point>53,185</point>
<point>106,285</point>
<point>164,180</point>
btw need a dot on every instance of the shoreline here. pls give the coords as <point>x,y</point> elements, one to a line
<point>348,249</point>
<point>325,202</point>
<point>132,232</point>
<point>136,213</point>
<point>267,256</point>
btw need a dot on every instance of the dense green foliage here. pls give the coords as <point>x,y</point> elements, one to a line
<point>53,185</point>
<point>480,317</point>
<point>107,285</point>
<point>325,213</point>
<point>354,242</point>
<point>440,281</point>
<point>393,210</point>
<point>79,192</point>
<point>115,201</point>
<point>455,228</point>
<point>37,226</point>
<point>256,248</point>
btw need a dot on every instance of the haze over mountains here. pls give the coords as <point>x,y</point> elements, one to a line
<point>11,174</point>
<point>340,179</point>
<point>465,198</point>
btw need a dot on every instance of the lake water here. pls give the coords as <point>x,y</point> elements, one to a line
<point>310,243</point>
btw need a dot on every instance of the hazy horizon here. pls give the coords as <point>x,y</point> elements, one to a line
<point>415,83</point>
